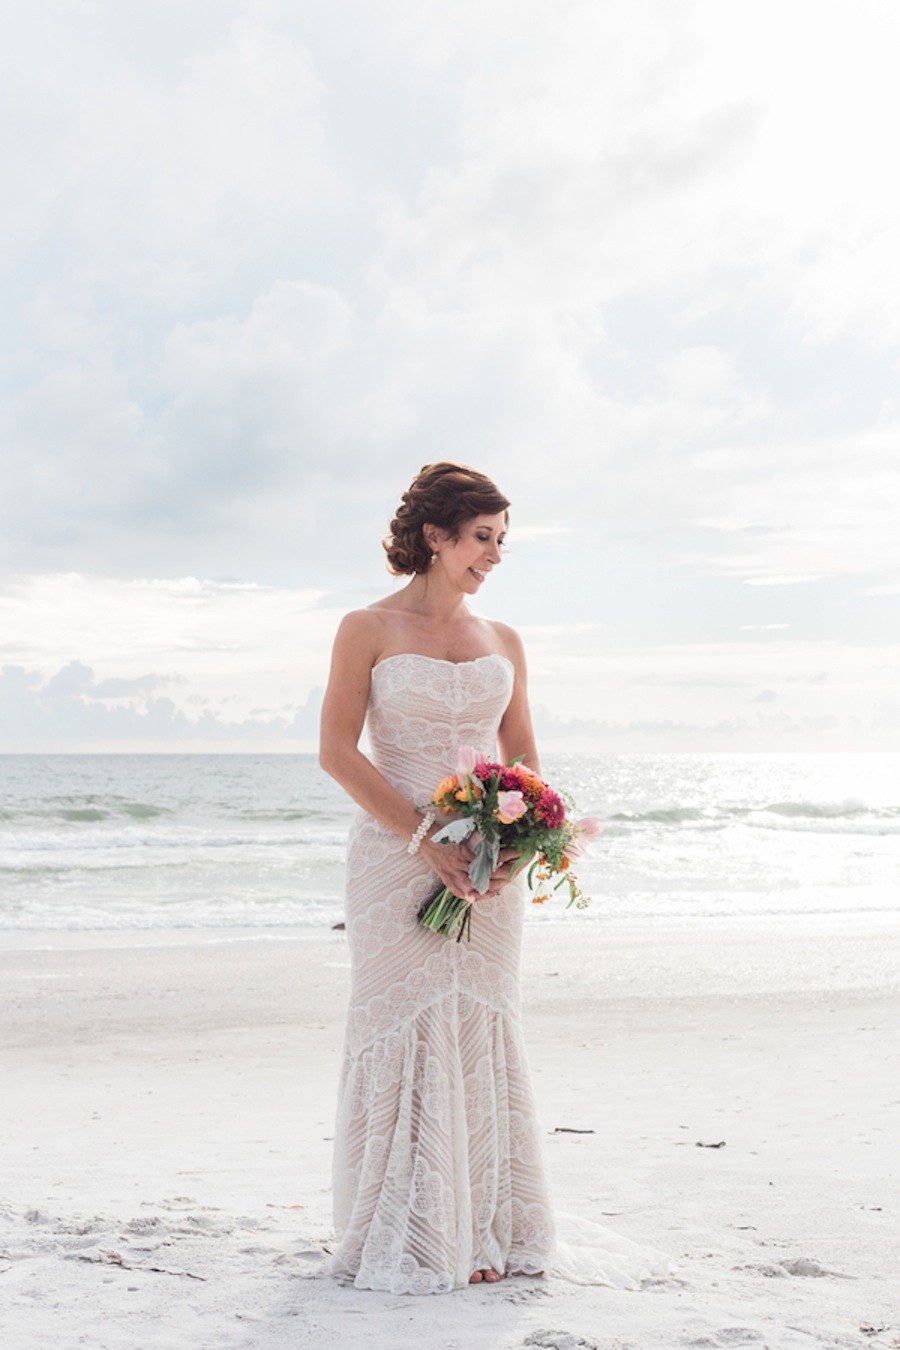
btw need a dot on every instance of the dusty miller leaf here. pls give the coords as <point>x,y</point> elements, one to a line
<point>487,851</point>
<point>454,833</point>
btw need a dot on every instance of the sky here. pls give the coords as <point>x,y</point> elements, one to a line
<point>263,260</point>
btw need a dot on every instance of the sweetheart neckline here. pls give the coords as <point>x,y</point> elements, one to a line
<point>442,661</point>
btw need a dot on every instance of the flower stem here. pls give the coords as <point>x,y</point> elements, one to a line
<point>444,912</point>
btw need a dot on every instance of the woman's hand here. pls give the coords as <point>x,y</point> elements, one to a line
<point>500,875</point>
<point>451,862</point>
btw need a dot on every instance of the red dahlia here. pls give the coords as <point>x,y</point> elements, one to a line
<point>549,809</point>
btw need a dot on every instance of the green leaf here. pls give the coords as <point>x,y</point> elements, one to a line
<point>523,860</point>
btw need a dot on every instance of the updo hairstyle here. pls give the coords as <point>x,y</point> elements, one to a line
<point>442,494</point>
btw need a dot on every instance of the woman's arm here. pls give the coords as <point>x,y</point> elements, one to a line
<point>356,648</point>
<point>516,733</point>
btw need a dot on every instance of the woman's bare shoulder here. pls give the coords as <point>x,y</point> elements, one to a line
<point>361,628</point>
<point>371,631</point>
<point>508,641</point>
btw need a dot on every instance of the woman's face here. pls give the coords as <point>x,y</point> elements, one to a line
<point>469,558</point>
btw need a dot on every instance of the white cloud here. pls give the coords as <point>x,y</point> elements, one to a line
<point>160,177</point>
<point>632,694</point>
<point>780,580</point>
<point>638,262</point>
<point>233,644</point>
<point>73,710</point>
<point>234,664</point>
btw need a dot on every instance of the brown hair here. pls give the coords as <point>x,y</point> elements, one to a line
<point>441,494</point>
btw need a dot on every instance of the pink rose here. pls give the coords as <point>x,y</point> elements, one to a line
<point>510,806</point>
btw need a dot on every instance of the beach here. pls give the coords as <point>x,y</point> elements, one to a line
<point>726,1091</point>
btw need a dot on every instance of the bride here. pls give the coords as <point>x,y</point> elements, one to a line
<point>439,1179</point>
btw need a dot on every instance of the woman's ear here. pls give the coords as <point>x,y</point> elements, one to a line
<point>434,536</point>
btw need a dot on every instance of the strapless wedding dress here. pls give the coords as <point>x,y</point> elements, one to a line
<point>438,1167</point>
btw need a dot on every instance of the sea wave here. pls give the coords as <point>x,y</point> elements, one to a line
<point>294,912</point>
<point>673,815</point>
<point>830,810</point>
<point>77,808</point>
<point>200,838</point>
<point>230,841</point>
<point>846,817</point>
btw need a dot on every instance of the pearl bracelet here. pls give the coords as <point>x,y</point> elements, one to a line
<point>414,843</point>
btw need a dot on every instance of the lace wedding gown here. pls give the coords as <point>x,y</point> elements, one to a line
<point>438,1166</point>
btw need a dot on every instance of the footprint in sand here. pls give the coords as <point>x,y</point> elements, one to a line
<point>811,1269</point>
<point>800,1266</point>
<point>558,1340</point>
<point>726,1336</point>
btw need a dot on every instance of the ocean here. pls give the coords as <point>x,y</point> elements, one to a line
<point>129,842</point>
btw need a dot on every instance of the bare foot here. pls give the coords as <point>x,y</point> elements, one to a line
<point>485,1277</point>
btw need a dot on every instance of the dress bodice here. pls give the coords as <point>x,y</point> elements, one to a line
<point>421,709</point>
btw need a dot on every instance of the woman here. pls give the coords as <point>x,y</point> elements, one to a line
<point>438,1174</point>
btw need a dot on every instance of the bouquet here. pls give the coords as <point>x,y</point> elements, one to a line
<point>497,807</point>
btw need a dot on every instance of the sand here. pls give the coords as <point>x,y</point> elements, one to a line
<point>726,1091</point>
